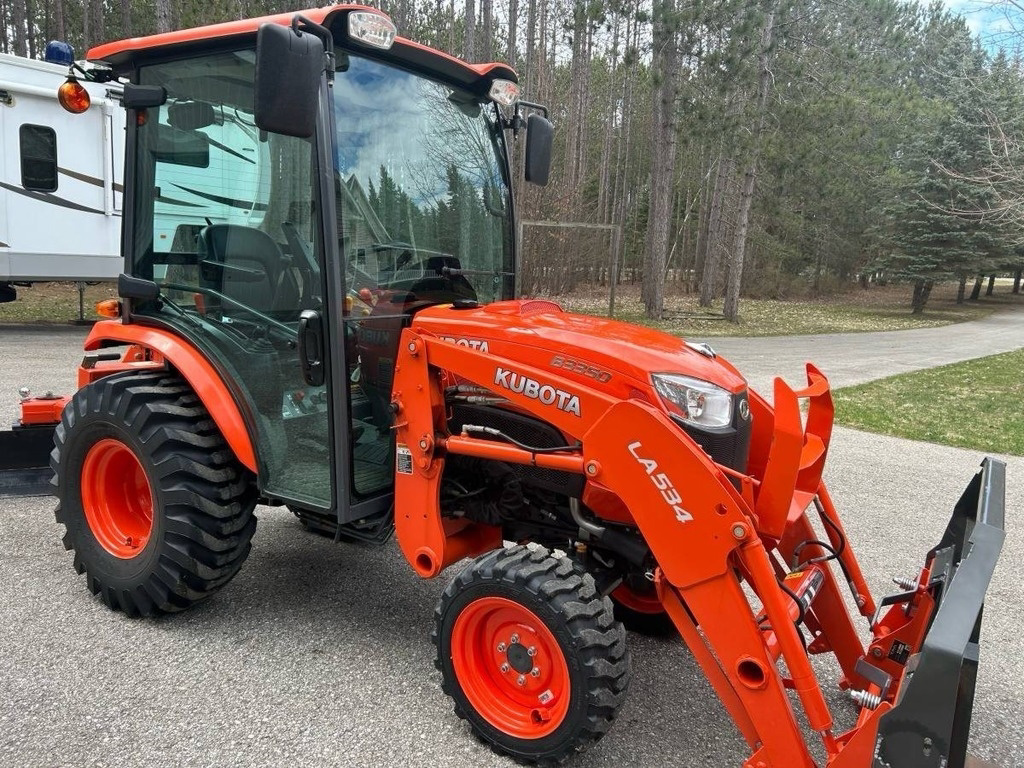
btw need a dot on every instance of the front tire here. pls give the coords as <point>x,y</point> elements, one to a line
<point>531,654</point>
<point>157,509</point>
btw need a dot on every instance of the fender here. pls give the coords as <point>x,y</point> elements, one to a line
<point>196,369</point>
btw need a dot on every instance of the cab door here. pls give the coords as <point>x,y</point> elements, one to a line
<point>229,221</point>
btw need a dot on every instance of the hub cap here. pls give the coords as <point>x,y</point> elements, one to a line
<point>510,667</point>
<point>117,498</point>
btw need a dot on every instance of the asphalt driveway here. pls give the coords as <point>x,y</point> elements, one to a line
<point>319,654</point>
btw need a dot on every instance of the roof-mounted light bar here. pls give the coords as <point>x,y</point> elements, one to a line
<point>504,92</point>
<point>372,29</point>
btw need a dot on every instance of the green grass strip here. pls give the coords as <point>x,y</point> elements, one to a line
<point>976,404</point>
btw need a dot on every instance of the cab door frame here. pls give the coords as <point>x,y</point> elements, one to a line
<point>349,507</point>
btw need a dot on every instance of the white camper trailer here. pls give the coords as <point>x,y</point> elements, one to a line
<point>61,173</point>
<point>60,179</point>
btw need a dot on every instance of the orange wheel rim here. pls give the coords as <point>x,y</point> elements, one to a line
<point>638,601</point>
<point>117,498</point>
<point>510,667</point>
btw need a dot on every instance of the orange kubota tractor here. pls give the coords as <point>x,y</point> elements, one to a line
<point>317,311</point>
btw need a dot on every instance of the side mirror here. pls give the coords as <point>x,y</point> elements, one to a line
<point>143,96</point>
<point>190,115</point>
<point>288,68</point>
<point>540,134</point>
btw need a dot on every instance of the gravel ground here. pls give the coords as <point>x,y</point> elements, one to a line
<point>318,654</point>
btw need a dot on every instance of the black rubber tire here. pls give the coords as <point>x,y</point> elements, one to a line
<point>593,644</point>
<point>651,624</point>
<point>203,499</point>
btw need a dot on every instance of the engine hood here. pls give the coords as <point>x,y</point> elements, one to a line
<point>536,332</point>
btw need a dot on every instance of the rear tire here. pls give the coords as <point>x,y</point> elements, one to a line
<point>157,509</point>
<point>531,655</point>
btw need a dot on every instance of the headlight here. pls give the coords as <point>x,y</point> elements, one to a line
<point>698,402</point>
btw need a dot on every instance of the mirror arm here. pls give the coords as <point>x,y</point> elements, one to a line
<point>530,105</point>
<point>300,23</point>
<point>516,121</point>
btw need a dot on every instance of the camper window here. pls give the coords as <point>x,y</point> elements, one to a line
<point>38,158</point>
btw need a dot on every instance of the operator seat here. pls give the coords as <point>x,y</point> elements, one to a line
<point>246,265</point>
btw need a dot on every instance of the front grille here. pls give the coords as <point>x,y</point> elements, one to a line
<point>729,446</point>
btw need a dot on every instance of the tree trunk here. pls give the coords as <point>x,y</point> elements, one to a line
<point>739,248</point>
<point>922,290</point>
<point>99,31</point>
<point>469,49</point>
<point>163,16</point>
<point>605,186</point>
<point>991,285</point>
<point>531,36</point>
<point>19,18</point>
<point>663,147</point>
<point>713,242</point>
<point>575,142</point>
<point>961,289</point>
<point>486,8</point>
<point>976,290</point>
<point>739,245</point>
<point>513,21</point>
<point>87,40</point>
<point>59,32</point>
<point>700,247</point>
<point>30,16</point>
<point>1016,280</point>
<point>126,18</point>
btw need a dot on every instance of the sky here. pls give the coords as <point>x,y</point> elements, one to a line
<point>998,23</point>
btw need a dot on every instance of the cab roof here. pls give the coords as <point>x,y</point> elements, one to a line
<point>124,54</point>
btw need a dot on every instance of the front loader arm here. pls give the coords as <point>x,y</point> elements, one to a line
<point>699,529</point>
<point>709,539</point>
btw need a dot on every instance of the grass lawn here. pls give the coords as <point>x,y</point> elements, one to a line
<point>54,303</point>
<point>975,404</point>
<point>877,308</point>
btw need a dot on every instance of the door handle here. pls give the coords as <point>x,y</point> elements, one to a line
<point>311,347</point>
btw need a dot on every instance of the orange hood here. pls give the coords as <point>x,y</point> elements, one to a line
<point>536,332</point>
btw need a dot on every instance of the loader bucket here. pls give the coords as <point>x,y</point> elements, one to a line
<point>25,461</point>
<point>931,716</point>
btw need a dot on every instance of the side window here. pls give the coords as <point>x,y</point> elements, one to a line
<point>38,158</point>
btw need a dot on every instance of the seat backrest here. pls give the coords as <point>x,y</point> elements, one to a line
<point>255,254</point>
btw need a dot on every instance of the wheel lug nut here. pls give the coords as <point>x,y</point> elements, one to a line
<point>521,680</point>
<point>504,669</point>
<point>515,639</point>
<point>501,647</point>
<point>531,651</point>
<point>535,671</point>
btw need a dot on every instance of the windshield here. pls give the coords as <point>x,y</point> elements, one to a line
<point>422,194</point>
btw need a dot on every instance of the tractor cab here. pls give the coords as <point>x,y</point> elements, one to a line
<point>291,240</point>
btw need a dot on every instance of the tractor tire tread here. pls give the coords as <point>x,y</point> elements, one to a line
<point>204,494</point>
<point>598,640</point>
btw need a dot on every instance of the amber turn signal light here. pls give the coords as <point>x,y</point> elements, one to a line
<point>73,96</point>
<point>108,308</point>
